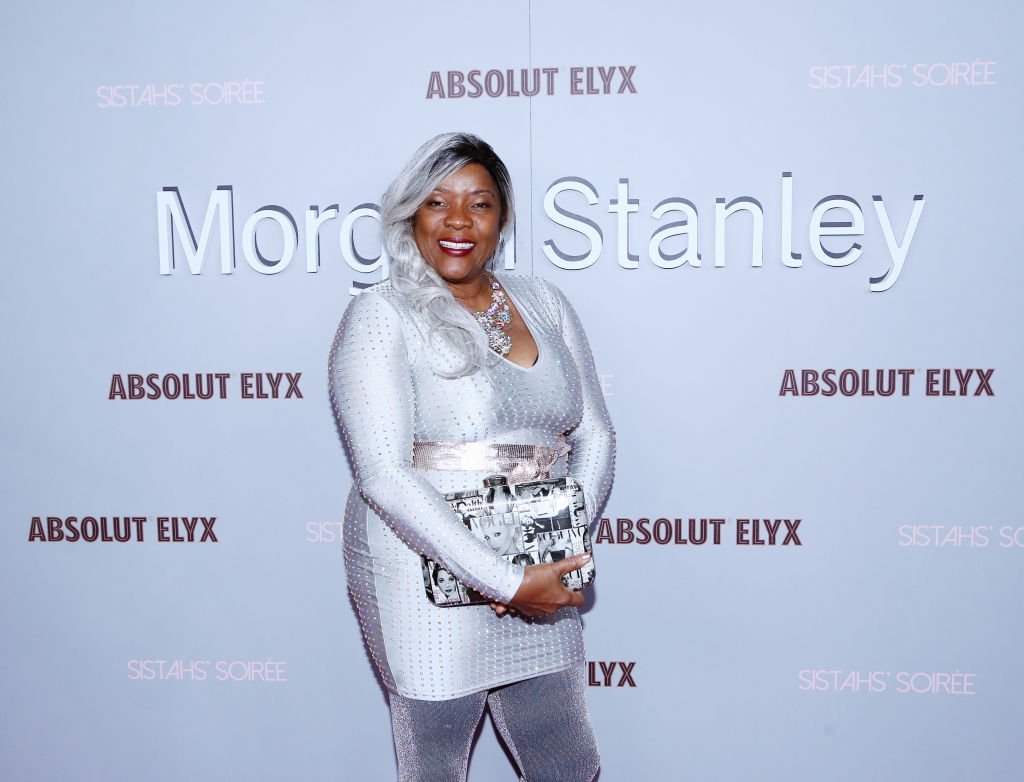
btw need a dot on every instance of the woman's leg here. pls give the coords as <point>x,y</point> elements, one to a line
<point>546,725</point>
<point>433,738</point>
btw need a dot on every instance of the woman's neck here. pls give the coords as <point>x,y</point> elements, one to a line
<point>473,294</point>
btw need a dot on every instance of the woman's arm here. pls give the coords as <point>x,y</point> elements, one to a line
<point>372,395</point>
<point>591,462</point>
<point>592,459</point>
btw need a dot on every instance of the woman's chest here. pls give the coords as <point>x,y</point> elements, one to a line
<point>544,398</point>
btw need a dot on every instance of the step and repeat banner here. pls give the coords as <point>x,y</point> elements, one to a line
<point>791,235</point>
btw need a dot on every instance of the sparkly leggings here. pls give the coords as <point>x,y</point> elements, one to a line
<point>544,722</point>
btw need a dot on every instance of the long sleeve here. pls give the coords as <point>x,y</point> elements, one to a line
<point>372,396</point>
<point>592,459</point>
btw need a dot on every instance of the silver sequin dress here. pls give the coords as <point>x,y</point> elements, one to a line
<point>386,396</point>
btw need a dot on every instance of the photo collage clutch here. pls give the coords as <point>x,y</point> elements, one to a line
<point>528,523</point>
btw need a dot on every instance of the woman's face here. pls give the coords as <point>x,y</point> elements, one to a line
<point>446,581</point>
<point>501,538</point>
<point>458,226</point>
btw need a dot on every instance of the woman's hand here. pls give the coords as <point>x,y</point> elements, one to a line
<point>542,591</point>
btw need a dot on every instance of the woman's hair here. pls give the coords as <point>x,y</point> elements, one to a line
<point>435,571</point>
<point>410,275</point>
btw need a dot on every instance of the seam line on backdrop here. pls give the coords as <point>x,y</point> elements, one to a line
<point>529,64</point>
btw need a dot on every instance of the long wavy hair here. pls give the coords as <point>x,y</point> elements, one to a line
<point>447,320</point>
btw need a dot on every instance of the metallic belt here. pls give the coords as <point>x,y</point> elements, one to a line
<point>518,462</point>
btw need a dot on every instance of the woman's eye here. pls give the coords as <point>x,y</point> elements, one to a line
<point>435,202</point>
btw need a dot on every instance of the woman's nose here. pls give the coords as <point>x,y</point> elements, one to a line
<point>457,217</point>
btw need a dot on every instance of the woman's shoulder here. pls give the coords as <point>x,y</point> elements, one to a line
<point>377,294</point>
<point>381,304</point>
<point>383,300</point>
<point>534,287</point>
<point>537,290</point>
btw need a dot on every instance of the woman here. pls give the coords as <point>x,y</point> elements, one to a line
<point>441,376</point>
<point>500,534</point>
<point>447,587</point>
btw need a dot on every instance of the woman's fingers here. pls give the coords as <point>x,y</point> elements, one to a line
<point>542,591</point>
<point>577,597</point>
<point>568,565</point>
<point>575,562</point>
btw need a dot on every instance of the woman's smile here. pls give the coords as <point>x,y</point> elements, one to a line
<point>455,247</point>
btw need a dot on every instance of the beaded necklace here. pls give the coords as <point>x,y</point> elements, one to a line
<point>496,319</point>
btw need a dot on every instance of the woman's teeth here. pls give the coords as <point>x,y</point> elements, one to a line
<point>457,245</point>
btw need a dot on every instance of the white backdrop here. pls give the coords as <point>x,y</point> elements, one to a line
<point>875,141</point>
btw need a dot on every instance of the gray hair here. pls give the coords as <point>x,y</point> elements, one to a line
<point>410,275</point>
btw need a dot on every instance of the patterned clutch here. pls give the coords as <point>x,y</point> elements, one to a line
<point>528,523</point>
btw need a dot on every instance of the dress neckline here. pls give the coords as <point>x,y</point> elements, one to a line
<point>529,327</point>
